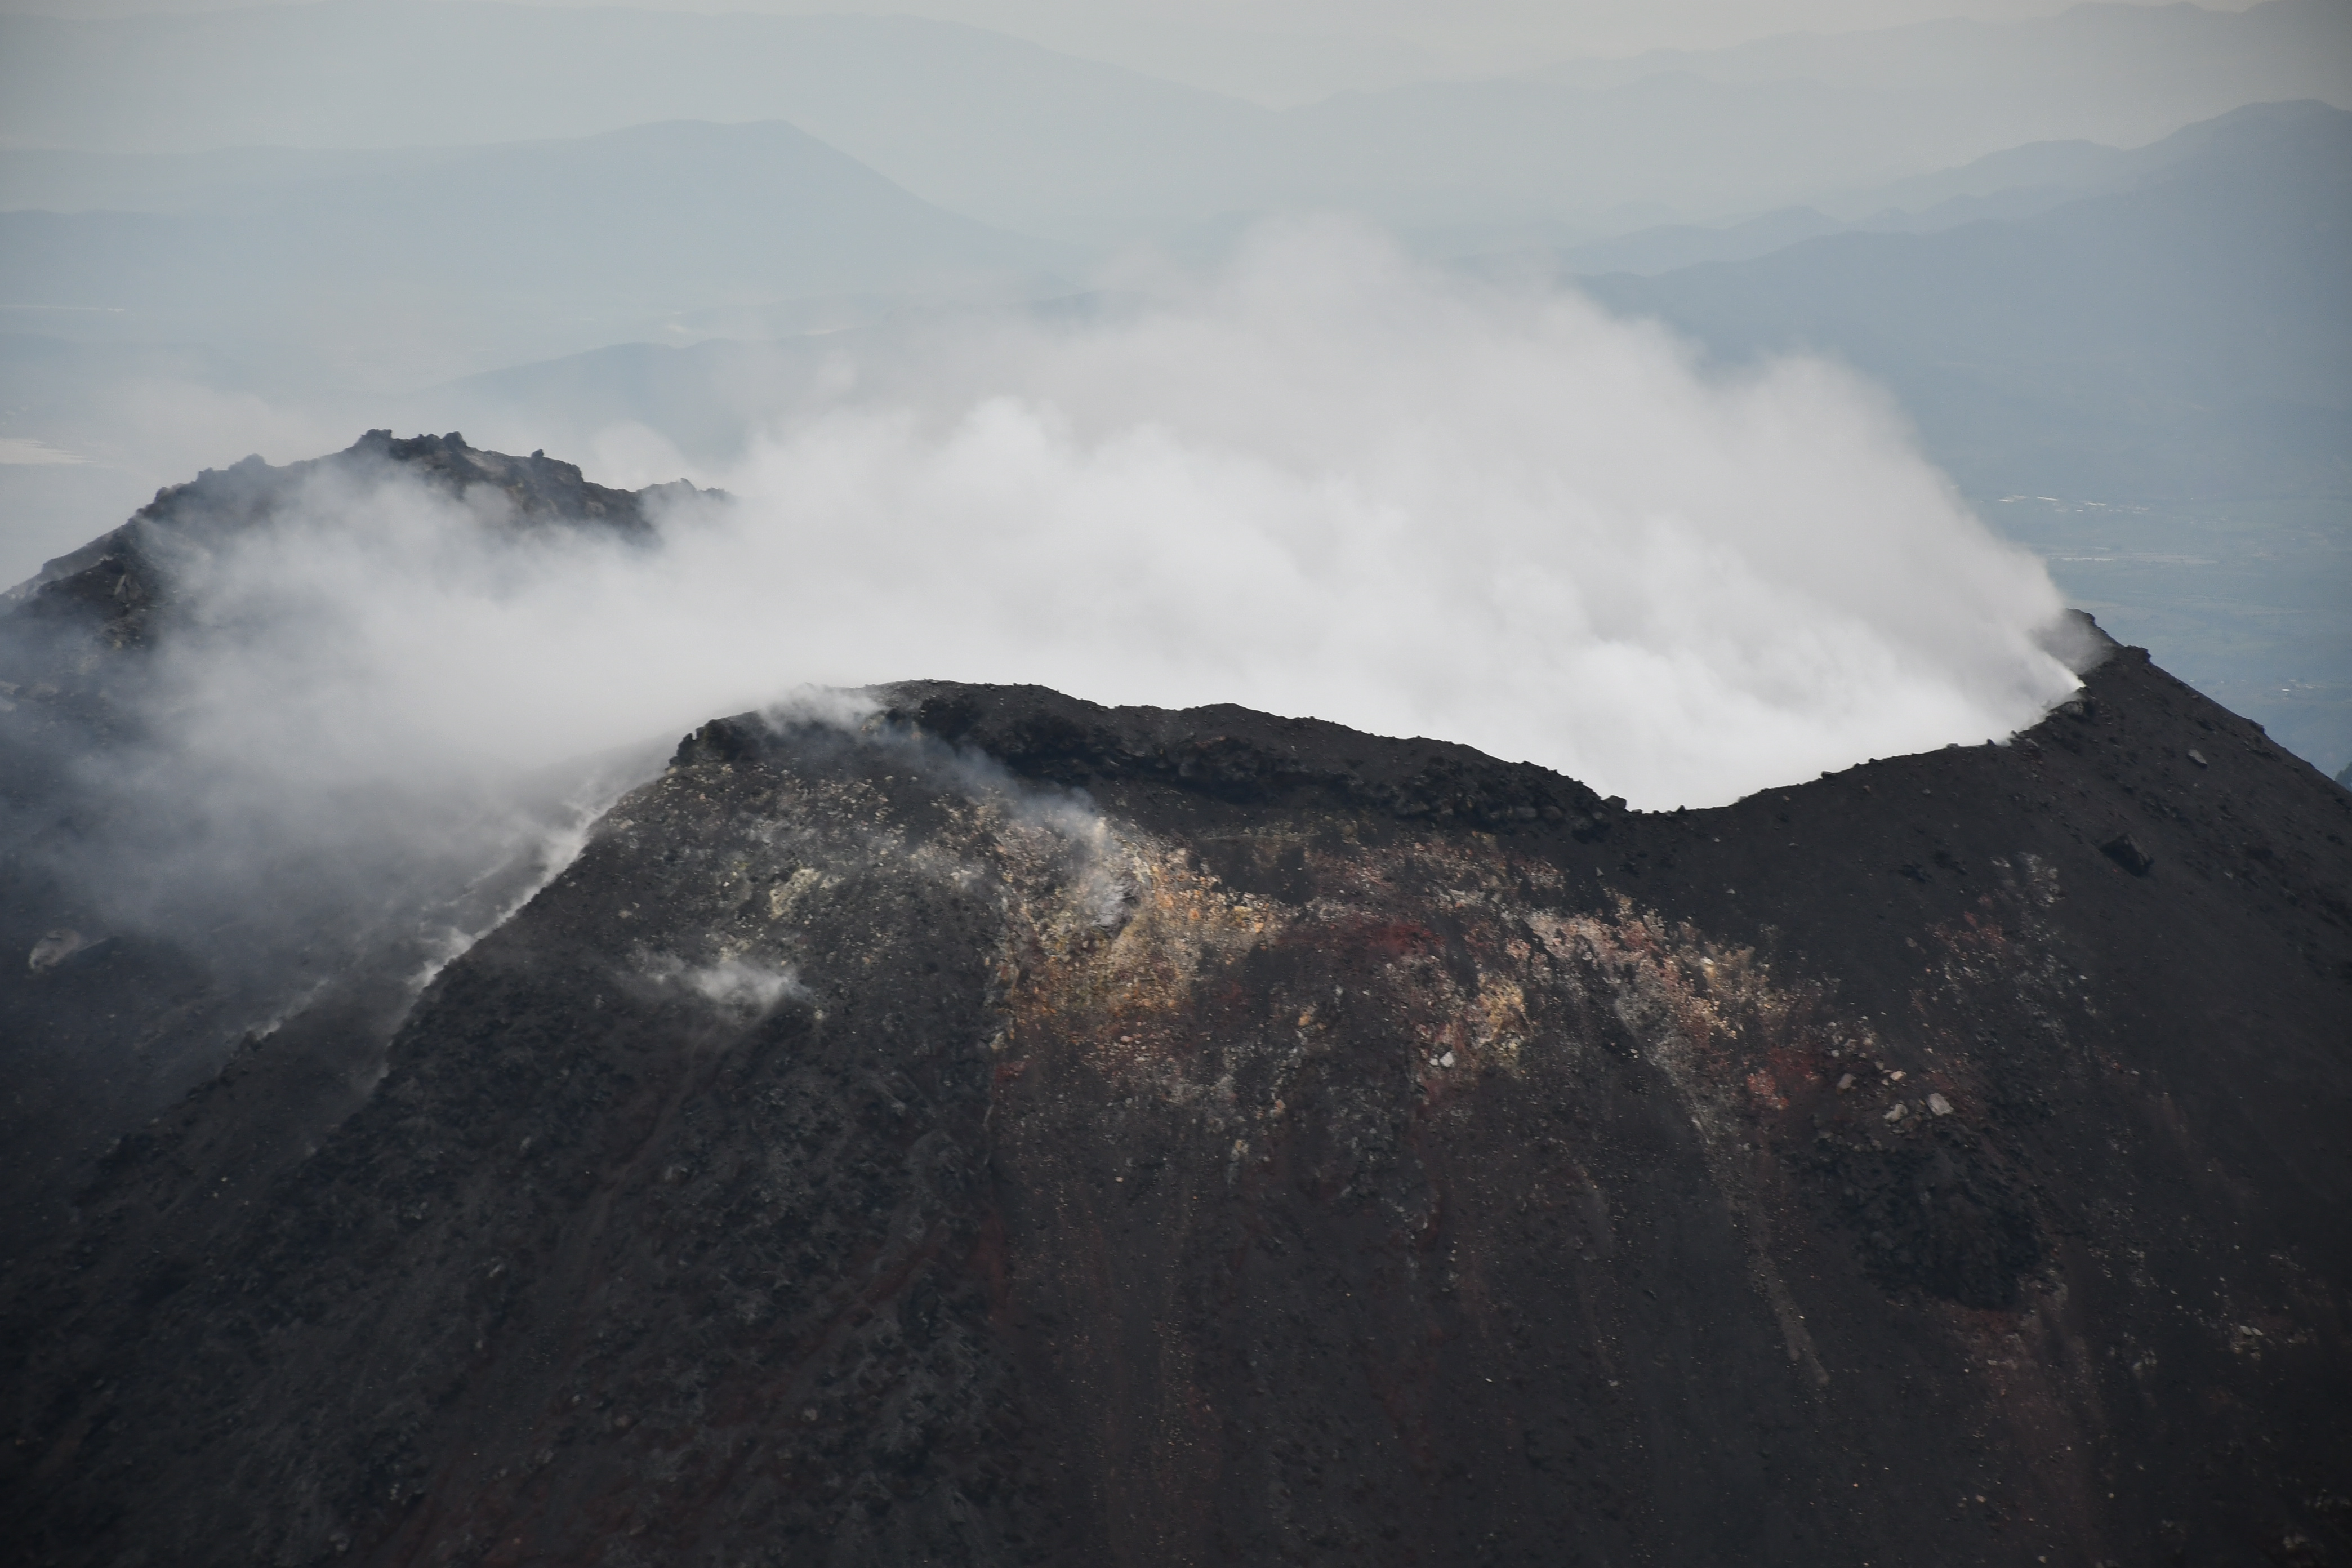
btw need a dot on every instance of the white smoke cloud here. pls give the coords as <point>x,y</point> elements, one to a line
<point>1325,481</point>
<point>733,984</point>
<point>1329,482</point>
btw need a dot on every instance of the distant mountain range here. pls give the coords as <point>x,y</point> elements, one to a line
<point>413,268</point>
<point>2182,335</point>
<point>2176,53</point>
<point>2015,183</point>
<point>1028,139</point>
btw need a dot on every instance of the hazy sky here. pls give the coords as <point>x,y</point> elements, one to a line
<point>1288,50</point>
<point>1494,31</point>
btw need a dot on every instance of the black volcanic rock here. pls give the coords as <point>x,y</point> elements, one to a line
<point>1010,1129</point>
<point>2125,851</point>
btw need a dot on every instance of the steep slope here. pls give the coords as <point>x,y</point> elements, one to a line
<point>1010,1129</point>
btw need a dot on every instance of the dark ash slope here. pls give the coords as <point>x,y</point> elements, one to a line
<point>1022,1131</point>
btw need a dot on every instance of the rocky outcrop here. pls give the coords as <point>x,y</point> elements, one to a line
<point>1007,1130</point>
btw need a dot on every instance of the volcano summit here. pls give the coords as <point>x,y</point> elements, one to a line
<point>963,1124</point>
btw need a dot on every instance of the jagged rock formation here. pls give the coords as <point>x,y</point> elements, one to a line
<point>1008,1130</point>
<point>107,596</point>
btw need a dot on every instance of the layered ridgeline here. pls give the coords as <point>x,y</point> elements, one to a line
<point>1043,143</point>
<point>965,1124</point>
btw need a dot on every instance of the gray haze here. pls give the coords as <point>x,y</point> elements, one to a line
<point>1018,136</point>
<point>1283,52</point>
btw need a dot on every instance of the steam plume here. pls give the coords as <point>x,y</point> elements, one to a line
<point>1328,482</point>
<point>1325,481</point>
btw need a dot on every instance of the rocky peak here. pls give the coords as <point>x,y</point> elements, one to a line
<point>107,596</point>
<point>538,488</point>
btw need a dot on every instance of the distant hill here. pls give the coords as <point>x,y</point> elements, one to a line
<point>2108,57</point>
<point>509,251</point>
<point>2065,168</point>
<point>1670,246</point>
<point>2015,183</point>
